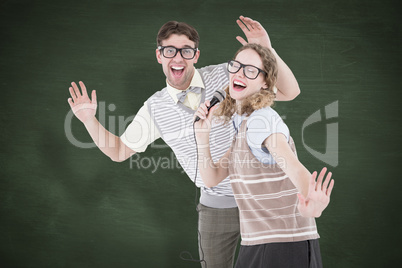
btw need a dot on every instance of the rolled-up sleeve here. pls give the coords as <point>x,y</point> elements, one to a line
<point>141,131</point>
<point>262,124</point>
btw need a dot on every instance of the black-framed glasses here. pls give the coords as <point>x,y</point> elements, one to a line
<point>250,71</point>
<point>187,53</point>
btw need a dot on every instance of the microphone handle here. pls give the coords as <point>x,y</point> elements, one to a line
<point>213,102</point>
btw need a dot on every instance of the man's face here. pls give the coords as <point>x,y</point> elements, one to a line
<point>178,71</point>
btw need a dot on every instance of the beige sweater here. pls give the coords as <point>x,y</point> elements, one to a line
<point>266,197</point>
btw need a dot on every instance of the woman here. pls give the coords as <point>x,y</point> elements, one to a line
<point>277,196</point>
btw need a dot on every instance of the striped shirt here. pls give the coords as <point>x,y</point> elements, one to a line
<point>266,197</point>
<point>175,124</point>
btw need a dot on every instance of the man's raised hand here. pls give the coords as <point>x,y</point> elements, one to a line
<point>254,32</point>
<point>83,107</point>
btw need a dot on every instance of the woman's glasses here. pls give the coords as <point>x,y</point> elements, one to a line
<point>250,71</point>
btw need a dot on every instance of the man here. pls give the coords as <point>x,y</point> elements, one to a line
<point>168,114</point>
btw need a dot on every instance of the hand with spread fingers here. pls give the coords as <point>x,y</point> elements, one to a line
<point>254,32</point>
<point>318,195</point>
<point>83,107</point>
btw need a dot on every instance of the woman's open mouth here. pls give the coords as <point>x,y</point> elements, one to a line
<point>238,85</point>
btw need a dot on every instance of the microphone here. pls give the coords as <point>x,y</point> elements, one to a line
<point>218,96</point>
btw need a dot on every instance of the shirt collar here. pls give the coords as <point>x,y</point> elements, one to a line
<point>196,81</point>
<point>238,120</point>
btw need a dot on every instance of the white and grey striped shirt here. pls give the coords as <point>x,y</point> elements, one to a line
<point>175,124</point>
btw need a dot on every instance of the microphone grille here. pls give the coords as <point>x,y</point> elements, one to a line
<point>220,94</point>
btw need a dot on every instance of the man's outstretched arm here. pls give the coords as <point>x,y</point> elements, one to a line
<point>85,109</point>
<point>287,85</point>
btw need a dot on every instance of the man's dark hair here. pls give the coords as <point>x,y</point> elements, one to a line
<point>179,28</point>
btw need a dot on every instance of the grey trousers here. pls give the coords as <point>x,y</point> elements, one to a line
<point>219,232</point>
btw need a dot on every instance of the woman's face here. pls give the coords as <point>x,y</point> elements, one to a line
<point>241,86</point>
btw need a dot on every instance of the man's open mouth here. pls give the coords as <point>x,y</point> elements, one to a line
<point>177,70</point>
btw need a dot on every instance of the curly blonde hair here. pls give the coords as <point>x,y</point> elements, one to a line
<point>263,98</point>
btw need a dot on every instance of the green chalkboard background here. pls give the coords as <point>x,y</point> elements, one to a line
<point>63,205</point>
